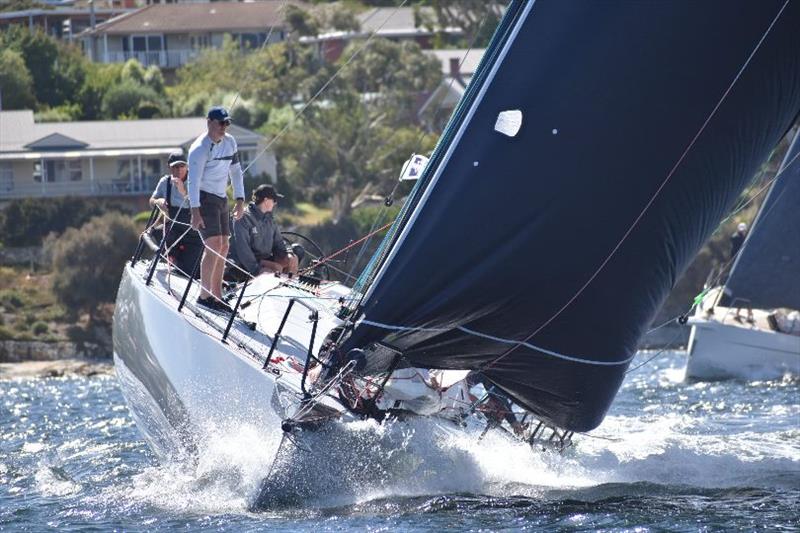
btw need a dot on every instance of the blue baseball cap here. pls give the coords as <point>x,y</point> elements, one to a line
<point>219,113</point>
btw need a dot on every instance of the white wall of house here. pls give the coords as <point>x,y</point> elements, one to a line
<point>104,176</point>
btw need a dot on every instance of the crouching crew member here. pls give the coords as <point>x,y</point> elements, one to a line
<point>257,245</point>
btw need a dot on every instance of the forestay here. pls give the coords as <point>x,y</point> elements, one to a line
<point>633,127</point>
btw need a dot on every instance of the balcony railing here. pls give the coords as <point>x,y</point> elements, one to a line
<point>163,58</point>
<point>116,187</point>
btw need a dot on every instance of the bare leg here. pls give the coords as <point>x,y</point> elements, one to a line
<point>210,272</point>
<point>219,267</point>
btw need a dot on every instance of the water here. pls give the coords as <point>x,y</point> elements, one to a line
<point>670,456</point>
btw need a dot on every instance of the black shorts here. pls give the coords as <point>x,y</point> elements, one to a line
<point>214,211</point>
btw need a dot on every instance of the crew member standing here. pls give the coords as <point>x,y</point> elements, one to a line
<point>213,160</point>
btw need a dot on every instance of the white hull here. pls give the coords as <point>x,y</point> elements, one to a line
<point>181,380</point>
<point>740,351</point>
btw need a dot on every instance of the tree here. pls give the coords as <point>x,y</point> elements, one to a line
<point>362,130</point>
<point>477,18</point>
<point>25,222</point>
<point>58,69</point>
<point>16,83</point>
<point>127,99</point>
<point>88,262</point>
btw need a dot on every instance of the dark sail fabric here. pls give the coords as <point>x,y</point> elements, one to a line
<point>641,124</point>
<point>766,273</point>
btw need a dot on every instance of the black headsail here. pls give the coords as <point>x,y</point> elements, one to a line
<point>641,122</point>
<point>766,273</point>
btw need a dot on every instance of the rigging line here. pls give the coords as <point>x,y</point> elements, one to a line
<point>655,194</point>
<point>439,107</point>
<point>418,142</point>
<point>657,354</point>
<point>501,340</point>
<point>322,89</point>
<point>282,8</point>
<point>354,243</point>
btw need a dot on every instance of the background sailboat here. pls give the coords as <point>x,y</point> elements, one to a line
<point>726,343</point>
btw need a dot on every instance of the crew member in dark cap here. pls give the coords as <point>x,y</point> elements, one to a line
<point>257,245</point>
<point>213,160</point>
<point>171,197</point>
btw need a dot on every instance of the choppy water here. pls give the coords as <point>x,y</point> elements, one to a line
<point>715,456</point>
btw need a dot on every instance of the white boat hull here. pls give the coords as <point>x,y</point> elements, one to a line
<point>725,351</point>
<point>181,380</point>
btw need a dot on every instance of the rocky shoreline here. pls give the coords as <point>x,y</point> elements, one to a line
<point>12,351</point>
<point>59,368</point>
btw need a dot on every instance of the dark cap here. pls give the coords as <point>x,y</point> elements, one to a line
<point>176,158</point>
<point>219,113</point>
<point>265,191</point>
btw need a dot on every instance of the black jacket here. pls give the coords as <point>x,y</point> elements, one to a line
<point>256,236</point>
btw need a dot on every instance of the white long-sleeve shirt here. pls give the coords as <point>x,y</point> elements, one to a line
<point>210,164</point>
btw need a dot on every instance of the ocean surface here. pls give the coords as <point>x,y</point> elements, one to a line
<point>670,456</point>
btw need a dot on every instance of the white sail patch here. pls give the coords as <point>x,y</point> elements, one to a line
<point>509,122</point>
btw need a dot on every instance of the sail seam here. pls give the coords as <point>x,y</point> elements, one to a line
<point>501,340</point>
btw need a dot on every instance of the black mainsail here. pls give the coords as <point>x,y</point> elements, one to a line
<point>766,273</point>
<point>597,147</point>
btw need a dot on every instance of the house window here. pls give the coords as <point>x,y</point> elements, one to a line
<point>38,172</point>
<point>152,172</point>
<point>127,175</point>
<point>198,42</point>
<point>147,49</point>
<point>75,169</point>
<point>6,177</point>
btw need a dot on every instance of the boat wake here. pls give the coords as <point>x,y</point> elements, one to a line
<point>362,462</point>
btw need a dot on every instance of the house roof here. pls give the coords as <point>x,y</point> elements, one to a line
<point>20,134</point>
<point>64,12</point>
<point>385,22</point>
<point>468,60</point>
<point>197,17</point>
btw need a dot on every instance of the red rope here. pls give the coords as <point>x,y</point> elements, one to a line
<point>354,243</point>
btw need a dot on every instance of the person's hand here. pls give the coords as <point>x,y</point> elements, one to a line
<point>161,204</point>
<point>238,210</point>
<point>197,220</point>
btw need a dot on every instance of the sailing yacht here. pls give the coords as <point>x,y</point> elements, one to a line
<point>735,333</point>
<point>594,151</point>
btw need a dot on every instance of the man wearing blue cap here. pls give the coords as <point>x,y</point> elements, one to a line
<point>213,159</point>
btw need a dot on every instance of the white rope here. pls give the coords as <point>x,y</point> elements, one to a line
<point>474,333</point>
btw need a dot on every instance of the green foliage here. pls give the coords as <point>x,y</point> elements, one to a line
<point>22,5</point>
<point>25,222</point>
<point>87,262</point>
<point>58,69</point>
<point>16,82</point>
<point>11,299</point>
<point>100,77</point>
<point>130,99</point>
<point>133,71</point>
<point>40,328</point>
<point>62,113</point>
<point>477,18</point>
<point>300,21</point>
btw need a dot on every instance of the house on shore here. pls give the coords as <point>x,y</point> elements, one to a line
<point>395,24</point>
<point>103,158</point>
<point>171,35</point>
<point>458,67</point>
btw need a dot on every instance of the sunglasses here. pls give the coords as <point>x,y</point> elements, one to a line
<point>224,122</point>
